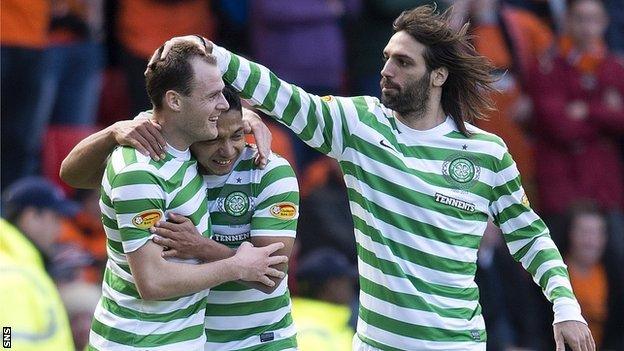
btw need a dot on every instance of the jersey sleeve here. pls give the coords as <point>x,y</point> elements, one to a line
<point>138,198</point>
<point>529,241</point>
<point>321,122</point>
<point>277,202</point>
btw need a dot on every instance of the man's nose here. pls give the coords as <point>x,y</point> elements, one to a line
<point>223,105</point>
<point>227,149</point>
<point>387,70</point>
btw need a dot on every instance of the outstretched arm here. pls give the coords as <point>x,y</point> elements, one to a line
<point>529,242</point>
<point>85,164</point>
<point>321,122</point>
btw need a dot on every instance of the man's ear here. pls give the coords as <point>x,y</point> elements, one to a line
<point>173,100</point>
<point>439,76</point>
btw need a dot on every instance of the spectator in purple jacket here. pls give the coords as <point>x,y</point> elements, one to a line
<point>281,34</point>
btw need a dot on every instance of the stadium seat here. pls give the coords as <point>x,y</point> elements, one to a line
<point>58,142</point>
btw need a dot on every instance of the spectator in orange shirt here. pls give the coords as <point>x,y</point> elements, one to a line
<point>143,25</point>
<point>512,38</point>
<point>23,35</point>
<point>596,276</point>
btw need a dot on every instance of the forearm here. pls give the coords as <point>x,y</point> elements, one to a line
<point>541,258</point>
<point>179,279</point>
<point>261,241</point>
<point>529,242</point>
<point>209,251</point>
<point>85,164</point>
<point>158,279</point>
<point>318,122</point>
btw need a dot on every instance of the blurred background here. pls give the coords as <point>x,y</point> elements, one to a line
<point>72,67</point>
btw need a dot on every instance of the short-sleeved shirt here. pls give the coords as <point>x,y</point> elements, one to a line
<point>137,192</point>
<point>250,202</point>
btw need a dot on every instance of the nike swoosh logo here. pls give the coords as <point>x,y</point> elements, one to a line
<point>383,143</point>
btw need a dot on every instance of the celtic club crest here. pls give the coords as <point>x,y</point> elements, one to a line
<point>461,171</point>
<point>236,204</point>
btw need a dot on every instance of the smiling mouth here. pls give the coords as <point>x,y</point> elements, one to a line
<point>223,163</point>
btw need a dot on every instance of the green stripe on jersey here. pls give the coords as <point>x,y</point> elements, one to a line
<point>134,185</point>
<point>240,206</point>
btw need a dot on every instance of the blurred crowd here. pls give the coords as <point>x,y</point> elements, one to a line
<point>71,67</point>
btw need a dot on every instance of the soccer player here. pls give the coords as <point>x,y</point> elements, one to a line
<point>149,302</point>
<point>245,204</point>
<point>422,184</point>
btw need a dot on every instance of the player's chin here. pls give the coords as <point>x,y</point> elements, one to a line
<point>218,169</point>
<point>211,132</point>
<point>389,99</point>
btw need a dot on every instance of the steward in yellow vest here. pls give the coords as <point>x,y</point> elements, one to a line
<point>31,305</point>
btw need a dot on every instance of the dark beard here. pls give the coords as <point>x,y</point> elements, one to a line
<point>411,100</point>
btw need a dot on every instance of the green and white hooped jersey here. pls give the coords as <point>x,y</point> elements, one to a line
<point>420,202</point>
<point>137,192</point>
<point>246,203</point>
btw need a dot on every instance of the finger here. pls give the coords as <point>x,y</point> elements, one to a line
<point>164,232</point>
<point>576,343</point>
<point>591,343</point>
<point>272,272</point>
<point>170,253</point>
<point>147,146</point>
<point>155,57</point>
<point>274,247</point>
<point>263,141</point>
<point>559,341</point>
<point>266,281</point>
<point>582,337</point>
<point>246,127</point>
<point>138,147</point>
<point>146,132</point>
<point>155,128</point>
<point>245,244</point>
<point>154,123</point>
<point>588,344</point>
<point>173,227</point>
<point>261,161</point>
<point>163,241</point>
<point>273,260</point>
<point>590,340</point>
<point>176,218</point>
<point>585,339</point>
<point>144,115</point>
<point>166,48</point>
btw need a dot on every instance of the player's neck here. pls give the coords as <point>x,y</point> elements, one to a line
<point>432,117</point>
<point>174,136</point>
